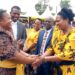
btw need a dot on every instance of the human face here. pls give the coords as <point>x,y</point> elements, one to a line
<point>6,21</point>
<point>48,23</point>
<point>15,14</point>
<point>61,23</point>
<point>37,24</point>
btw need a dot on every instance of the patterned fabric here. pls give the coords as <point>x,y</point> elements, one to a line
<point>68,69</point>
<point>6,71</point>
<point>64,47</point>
<point>8,47</point>
<point>43,43</point>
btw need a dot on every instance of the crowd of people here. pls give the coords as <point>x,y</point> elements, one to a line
<point>41,51</point>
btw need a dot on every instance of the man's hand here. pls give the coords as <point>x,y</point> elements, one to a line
<point>20,43</point>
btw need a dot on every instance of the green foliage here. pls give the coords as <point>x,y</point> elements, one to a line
<point>53,14</point>
<point>65,3</point>
<point>40,8</point>
<point>50,8</point>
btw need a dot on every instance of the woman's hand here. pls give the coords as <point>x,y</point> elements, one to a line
<point>38,61</point>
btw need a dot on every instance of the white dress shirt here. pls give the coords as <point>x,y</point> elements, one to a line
<point>14,28</point>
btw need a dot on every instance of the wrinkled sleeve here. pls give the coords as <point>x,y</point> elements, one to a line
<point>69,50</point>
<point>7,47</point>
<point>36,38</point>
<point>49,50</point>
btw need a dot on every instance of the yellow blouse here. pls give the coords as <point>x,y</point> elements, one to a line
<point>31,38</point>
<point>63,45</point>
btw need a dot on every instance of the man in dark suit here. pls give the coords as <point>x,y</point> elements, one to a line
<point>42,44</point>
<point>18,28</point>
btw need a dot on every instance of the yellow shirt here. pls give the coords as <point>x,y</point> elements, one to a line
<point>65,51</point>
<point>32,38</point>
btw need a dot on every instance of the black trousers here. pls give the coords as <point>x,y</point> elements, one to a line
<point>45,69</point>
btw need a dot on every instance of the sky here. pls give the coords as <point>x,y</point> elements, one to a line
<point>28,6</point>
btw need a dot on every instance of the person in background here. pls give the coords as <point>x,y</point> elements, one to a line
<point>10,53</point>
<point>30,43</point>
<point>43,43</point>
<point>26,23</point>
<point>18,28</point>
<point>63,44</point>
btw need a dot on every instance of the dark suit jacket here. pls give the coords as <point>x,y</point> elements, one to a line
<point>40,39</point>
<point>21,31</point>
<point>44,68</point>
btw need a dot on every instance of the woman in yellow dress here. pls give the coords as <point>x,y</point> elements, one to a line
<point>32,37</point>
<point>31,42</point>
<point>63,42</point>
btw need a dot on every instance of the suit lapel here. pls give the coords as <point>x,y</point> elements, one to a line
<point>42,35</point>
<point>40,39</point>
<point>49,38</point>
<point>18,30</point>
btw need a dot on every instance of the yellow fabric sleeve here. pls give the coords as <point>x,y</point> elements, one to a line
<point>49,51</point>
<point>69,50</point>
<point>36,38</point>
<point>31,39</point>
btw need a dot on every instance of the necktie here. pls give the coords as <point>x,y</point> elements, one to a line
<point>43,43</point>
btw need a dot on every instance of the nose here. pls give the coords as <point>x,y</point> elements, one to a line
<point>17,15</point>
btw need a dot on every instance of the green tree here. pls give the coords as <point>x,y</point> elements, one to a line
<point>40,8</point>
<point>53,14</point>
<point>65,3</point>
<point>50,8</point>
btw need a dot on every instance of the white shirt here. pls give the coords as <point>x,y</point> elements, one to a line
<point>14,28</point>
<point>44,41</point>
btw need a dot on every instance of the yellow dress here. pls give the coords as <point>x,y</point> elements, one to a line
<point>31,38</point>
<point>63,46</point>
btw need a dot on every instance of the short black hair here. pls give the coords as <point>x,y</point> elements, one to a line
<point>38,19</point>
<point>67,14</point>
<point>1,13</point>
<point>16,7</point>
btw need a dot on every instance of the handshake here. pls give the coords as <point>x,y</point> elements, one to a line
<point>37,60</point>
